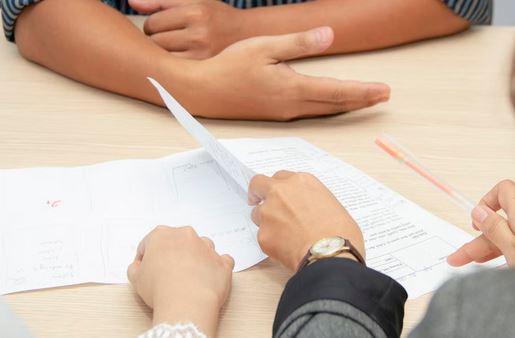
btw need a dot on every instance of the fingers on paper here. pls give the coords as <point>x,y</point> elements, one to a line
<point>210,244</point>
<point>283,174</point>
<point>132,271</point>
<point>228,261</point>
<point>140,251</point>
<point>478,250</point>
<point>256,215</point>
<point>259,187</point>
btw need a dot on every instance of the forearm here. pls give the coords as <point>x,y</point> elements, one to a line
<point>358,25</point>
<point>92,43</point>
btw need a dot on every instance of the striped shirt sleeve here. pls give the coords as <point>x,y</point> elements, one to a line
<point>11,9</point>
<point>477,12</point>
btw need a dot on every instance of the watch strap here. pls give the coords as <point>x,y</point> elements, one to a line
<point>348,247</point>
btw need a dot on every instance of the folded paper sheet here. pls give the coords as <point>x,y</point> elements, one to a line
<point>236,173</point>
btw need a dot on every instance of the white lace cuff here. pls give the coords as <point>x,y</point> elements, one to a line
<point>187,330</point>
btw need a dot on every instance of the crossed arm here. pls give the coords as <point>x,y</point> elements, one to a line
<point>201,28</point>
<point>94,44</point>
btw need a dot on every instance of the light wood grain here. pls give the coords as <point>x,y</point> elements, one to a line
<point>450,104</point>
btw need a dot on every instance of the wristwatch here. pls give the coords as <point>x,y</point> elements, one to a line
<point>330,247</point>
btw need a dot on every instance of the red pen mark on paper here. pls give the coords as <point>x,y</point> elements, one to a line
<point>53,204</point>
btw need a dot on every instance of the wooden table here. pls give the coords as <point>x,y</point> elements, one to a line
<point>449,104</point>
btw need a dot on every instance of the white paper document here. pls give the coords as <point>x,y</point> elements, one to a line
<point>63,226</point>
<point>236,171</point>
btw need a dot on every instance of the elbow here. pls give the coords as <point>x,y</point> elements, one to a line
<point>24,49</point>
<point>25,41</point>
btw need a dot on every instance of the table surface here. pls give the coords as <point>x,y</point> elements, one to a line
<point>450,105</point>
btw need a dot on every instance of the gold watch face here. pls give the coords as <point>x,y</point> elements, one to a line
<point>327,246</point>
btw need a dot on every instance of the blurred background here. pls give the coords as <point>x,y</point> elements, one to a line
<point>504,12</point>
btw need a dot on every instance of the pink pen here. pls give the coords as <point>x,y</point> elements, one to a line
<point>403,155</point>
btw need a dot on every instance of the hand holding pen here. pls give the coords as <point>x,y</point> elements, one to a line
<point>498,236</point>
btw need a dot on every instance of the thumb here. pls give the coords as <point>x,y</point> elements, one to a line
<point>496,229</point>
<point>297,45</point>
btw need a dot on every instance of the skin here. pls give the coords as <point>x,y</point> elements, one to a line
<point>90,42</point>
<point>201,28</point>
<point>173,262</point>
<point>294,211</point>
<point>180,276</point>
<point>498,233</point>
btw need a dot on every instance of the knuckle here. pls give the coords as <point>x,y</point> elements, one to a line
<point>263,215</point>
<point>274,192</point>
<point>296,88</point>
<point>305,177</point>
<point>149,25</point>
<point>338,95</point>
<point>302,43</point>
<point>188,231</point>
<point>198,13</point>
<point>493,226</point>
<point>200,38</point>
<point>156,39</point>
<point>262,237</point>
<point>506,185</point>
<point>161,228</point>
<point>280,172</point>
<point>344,106</point>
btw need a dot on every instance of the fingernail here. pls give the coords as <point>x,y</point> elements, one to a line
<point>380,91</point>
<point>479,214</point>
<point>383,98</point>
<point>323,35</point>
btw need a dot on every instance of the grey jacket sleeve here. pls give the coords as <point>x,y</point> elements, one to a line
<point>477,305</point>
<point>10,325</point>
<point>327,318</point>
<point>338,297</point>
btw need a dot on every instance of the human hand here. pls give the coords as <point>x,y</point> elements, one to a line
<point>294,211</point>
<point>195,29</point>
<point>249,80</point>
<point>498,236</point>
<point>180,276</point>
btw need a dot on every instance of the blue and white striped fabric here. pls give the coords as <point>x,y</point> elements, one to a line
<point>478,12</point>
<point>475,11</point>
